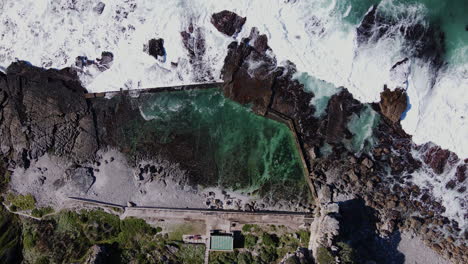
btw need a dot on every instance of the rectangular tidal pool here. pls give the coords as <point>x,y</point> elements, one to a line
<point>219,142</point>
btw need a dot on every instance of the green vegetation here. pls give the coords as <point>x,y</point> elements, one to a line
<point>21,202</point>
<point>10,237</point>
<point>67,237</point>
<point>250,241</point>
<point>266,244</point>
<point>346,253</point>
<point>324,256</point>
<point>40,212</point>
<point>179,231</point>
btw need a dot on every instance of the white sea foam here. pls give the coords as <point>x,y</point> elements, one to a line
<point>312,34</point>
<point>455,202</point>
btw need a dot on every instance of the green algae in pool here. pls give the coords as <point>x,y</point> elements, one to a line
<point>252,153</point>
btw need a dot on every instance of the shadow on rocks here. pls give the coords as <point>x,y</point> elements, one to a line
<point>358,230</point>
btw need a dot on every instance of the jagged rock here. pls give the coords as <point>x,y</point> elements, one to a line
<point>336,120</point>
<point>45,111</point>
<point>258,41</point>
<point>393,104</point>
<point>461,173</point>
<point>248,76</point>
<point>227,22</point>
<point>156,48</point>
<point>436,158</point>
<point>98,254</point>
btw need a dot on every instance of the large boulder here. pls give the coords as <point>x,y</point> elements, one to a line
<point>44,111</point>
<point>227,22</point>
<point>156,48</point>
<point>393,104</point>
<point>436,158</point>
<point>248,76</point>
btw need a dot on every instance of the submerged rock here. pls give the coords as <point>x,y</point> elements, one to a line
<point>227,22</point>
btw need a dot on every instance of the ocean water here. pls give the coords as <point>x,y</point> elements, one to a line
<point>362,126</point>
<point>318,36</point>
<point>322,91</point>
<point>252,153</point>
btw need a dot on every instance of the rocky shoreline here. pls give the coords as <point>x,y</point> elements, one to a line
<point>44,113</point>
<point>380,177</point>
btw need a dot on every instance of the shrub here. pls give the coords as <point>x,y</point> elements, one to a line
<point>250,241</point>
<point>324,256</point>
<point>346,253</point>
<point>22,202</point>
<point>269,240</point>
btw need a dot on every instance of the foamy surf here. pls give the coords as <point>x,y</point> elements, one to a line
<point>319,37</point>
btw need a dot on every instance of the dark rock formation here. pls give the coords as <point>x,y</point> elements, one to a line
<point>436,158</point>
<point>156,48</point>
<point>44,110</point>
<point>227,22</point>
<point>248,76</point>
<point>393,104</point>
<point>381,176</point>
<point>194,42</point>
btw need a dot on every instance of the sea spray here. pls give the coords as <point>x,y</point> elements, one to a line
<point>322,91</point>
<point>362,127</point>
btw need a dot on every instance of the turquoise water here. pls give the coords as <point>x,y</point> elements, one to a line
<point>252,153</point>
<point>322,90</point>
<point>362,127</point>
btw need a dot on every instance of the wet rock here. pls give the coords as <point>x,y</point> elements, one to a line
<point>156,48</point>
<point>450,185</point>
<point>461,173</point>
<point>227,22</point>
<point>393,104</point>
<point>258,41</point>
<point>99,8</point>
<point>105,62</point>
<point>436,158</point>
<point>367,162</point>
<point>248,76</point>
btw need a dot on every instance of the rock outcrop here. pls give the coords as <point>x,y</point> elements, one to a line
<point>156,48</point>
<point>44,111</point>
<point>227,22</point>
<point>248,75</point>
<point>393,104</point>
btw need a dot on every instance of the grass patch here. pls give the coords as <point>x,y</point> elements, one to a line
<point>10,237</point>
<point>21,202</point>
<point>191,253</point>
<point>179,231</point>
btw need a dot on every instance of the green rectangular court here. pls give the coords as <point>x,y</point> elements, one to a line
<point>222,243</point>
